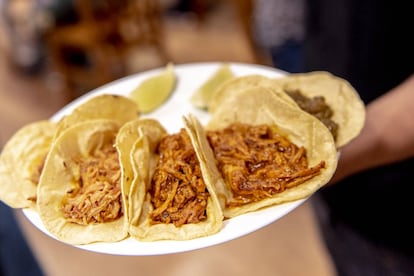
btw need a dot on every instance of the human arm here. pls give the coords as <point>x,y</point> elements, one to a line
<point>388,134</point>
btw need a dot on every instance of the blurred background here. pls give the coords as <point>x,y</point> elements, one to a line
<point>54,51</point>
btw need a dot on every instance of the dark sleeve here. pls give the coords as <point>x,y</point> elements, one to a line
<point>365,41</point>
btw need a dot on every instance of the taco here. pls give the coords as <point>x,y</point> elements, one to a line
<point>80,192</point>
<point>142,133</point>
<point>21,163</point>
<point>267,152</point>
<point>329,98</point>
<point>178,202</point>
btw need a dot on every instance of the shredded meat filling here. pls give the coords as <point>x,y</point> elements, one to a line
<point>178,194</point>
<point>97,199</point>
<point>318,107</point>
<point>257,162</point>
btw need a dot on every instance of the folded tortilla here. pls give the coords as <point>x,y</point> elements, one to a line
<point>104,106</point>
<point>171,197</point>
<point>261,107</point>
<point>80,192</point>
<point>348,108</point>
<point>21,163</point>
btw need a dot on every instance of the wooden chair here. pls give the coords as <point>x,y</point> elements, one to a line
<point>93,50</point>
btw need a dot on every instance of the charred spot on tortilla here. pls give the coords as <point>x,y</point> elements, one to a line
<point>257,162</point>
<point>317,107</point>
<point>178,192</point>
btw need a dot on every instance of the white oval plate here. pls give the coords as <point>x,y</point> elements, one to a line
<point>189,78</point>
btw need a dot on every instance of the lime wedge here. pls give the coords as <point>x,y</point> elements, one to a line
<point>201,97</point>
<point>154,91</point>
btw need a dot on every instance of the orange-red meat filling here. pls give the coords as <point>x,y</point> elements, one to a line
<point>256,162</point>
<point>98,198</point>
<point>178,192</point>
